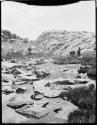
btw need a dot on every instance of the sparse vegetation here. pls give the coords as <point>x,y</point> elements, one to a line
<point>85,99</point>
<point>75,60</point>
<point>82,116</point>
<point>82,97</point>
<point>88,61</point>
<point>83,70</point>
<point>13,55</point>
<point>66,60</point>
<point>66,82</point>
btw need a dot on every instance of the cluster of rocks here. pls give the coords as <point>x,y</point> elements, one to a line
<point>16,74</point>
<point>36,96</point>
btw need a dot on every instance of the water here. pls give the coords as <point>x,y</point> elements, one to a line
<point>57,71</point>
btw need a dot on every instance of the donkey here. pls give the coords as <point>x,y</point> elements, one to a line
<point>72,53</point>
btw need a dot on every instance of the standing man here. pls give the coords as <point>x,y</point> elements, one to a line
<point>79,52</point>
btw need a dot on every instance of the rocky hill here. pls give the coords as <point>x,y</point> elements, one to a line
<point>58,43</point>
<point>13,43</point>
<point>62,42</point>
<point>7,35</point>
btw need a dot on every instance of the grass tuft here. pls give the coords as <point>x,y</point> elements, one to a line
<point>85,99</point>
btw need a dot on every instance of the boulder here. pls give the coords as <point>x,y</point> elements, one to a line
<point>27,73</point>
<point>11,65</point>
<point>29,78</point>
<point>19,100</point>
<point>51,93</point>
<point>20,90</point>
<point>20,82</point>
<point>7,90</point>
<point>16,66</point>
<point>33,111</point>
<point>47,92</point>
<point>16,71</point>
<point>37,97</point>
<point>41,73</point>
<point>39,61</point>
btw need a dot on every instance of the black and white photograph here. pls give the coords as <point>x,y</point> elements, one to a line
<point>48,61</point>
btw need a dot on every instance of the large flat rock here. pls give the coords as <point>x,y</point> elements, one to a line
<point>62,108</point>
<point>41,73</point>
<point>28,78</point>
<point>11,65</point>
<point>67,108</point>
<point>46,91</point>
<point>7,89</point>
<point>49,88</point>
<point>33,111</point>
<point>19,100</point>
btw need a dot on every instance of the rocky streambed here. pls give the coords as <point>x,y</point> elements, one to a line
<point>31,92</point>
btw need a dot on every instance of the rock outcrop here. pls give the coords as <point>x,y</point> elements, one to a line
<point>19,100</point>
<point>51,43</point>
<point>62,42</point>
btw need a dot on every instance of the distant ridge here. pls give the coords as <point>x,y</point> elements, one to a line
<point>54,42</point>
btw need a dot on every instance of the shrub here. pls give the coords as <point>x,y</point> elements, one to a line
<point>92,73</point>
<point>64,82</point>
<point>88,61</point>
<point>66,60</point>
<point>13,55</point>
<point>85,60</point>
<point>82,116</point>
<point>91,86</point>
<point>83,97</point>
<point>83,69</point>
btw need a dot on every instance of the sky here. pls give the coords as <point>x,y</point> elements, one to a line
<point>29,21</point>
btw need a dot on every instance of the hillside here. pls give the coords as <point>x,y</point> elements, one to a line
<point>52,43</point>
<point>62,42</point>
<point>13,43</point>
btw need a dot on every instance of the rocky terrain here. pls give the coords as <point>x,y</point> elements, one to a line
<point>51,43</point>
<point>32,88</point>
<point>60,43</point>
<point>34,91</point>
